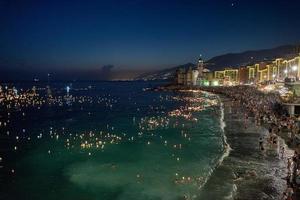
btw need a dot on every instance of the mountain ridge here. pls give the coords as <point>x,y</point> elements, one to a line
<point>228,60</point>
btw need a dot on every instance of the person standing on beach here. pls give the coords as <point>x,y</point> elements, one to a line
<point>261,144</point>
<point>245,120</point>
<point>256,118</point>
<point>289,192</point>
<point>289,165</point>
<point>282,150</point>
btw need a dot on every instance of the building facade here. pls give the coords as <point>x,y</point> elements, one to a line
<point>228,76</point>
<point>277,70</point>
<point>191,76</point>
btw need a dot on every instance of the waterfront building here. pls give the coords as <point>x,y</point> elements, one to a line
<point>243,75</point>
<point>267,71</point>
<point>292,67</point>
<point>195,76</point>
<point>280,69</point>
<point>293,103</point>
<point>191,76</point>
<point>262,72</point>
<point>219,74</point>
<point>228,76</point>
<point>252,75</point>
<point>291,71</point>
<point>208,75</point>
<point>200,67</point>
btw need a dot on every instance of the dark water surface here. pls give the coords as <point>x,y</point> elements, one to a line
<point>113,141</point>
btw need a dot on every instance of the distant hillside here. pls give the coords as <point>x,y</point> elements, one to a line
<point>248,57</point>
<point>163,74</point>
<point>229,60</point>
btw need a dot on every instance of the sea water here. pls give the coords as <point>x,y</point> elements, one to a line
<point>112,140</point>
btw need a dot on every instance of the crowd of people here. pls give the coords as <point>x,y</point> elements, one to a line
<point>267,110</point>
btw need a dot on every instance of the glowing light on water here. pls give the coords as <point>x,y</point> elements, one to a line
<point>175,120</point>
<point>68,89</point>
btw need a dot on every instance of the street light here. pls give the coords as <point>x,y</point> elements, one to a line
<point>274,78</point>
<point>294,68</point>
<point>286,71</point>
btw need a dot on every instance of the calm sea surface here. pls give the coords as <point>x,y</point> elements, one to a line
<point>110,140</point>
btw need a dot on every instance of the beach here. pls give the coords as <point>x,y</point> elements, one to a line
<point>248,173</point>
<point>257,131</point>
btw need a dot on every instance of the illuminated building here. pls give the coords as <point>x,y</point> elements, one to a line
<point>187,77</point>
<point>200,67</point>
<point>243,75</point>
<point>207,75</point>
<point>190,77</point>
<point>263,72</point>
<point>229,76</point>
<point>276,70</point>
<point>279,69</point>
<point>292,67</point>
<point>195,74</point>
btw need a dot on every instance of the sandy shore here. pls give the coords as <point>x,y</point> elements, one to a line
<point>248,172</point>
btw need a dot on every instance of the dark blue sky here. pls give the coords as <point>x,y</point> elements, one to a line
<point>138,34</point>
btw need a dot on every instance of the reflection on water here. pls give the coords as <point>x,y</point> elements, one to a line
<point>108,141</point>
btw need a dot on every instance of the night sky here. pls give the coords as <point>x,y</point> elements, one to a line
<point>138,35</point>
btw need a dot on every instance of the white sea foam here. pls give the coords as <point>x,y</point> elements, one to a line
<point>223,125</point>
<point>231,195</point>
<point>227,147</point>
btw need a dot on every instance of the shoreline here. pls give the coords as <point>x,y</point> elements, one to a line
<point>239,175</point>
<point>242,169</point>
<point>227,147</point>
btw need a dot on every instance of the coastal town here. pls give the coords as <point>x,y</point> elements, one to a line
<point>266,97</point>
<point>150,100</point>
<point>264,72</point>
<point>268,94</point>
<point>279,75</point>
<point>271,104</point>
